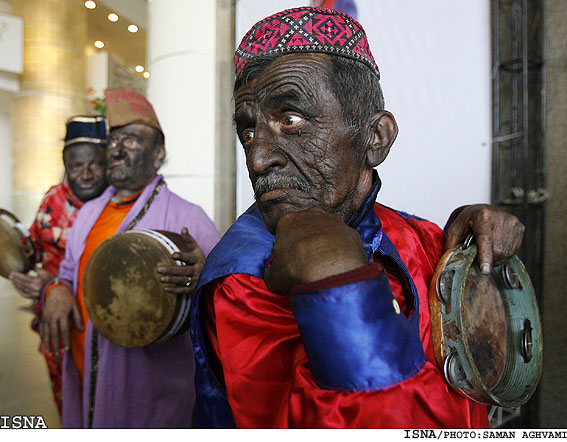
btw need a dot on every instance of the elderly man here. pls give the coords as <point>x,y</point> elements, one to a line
<point>312,311</point>
<point>106,385</point>
<point>84,161</point>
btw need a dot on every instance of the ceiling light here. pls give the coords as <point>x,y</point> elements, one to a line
<point>90,4</point>
<point>99,44</point>
<point>139,68</point>
<point>133,28</point>
<point>112,17</point>
<point>146,74</point>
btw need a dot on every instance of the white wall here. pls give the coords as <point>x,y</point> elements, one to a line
<point>6,100</point>
<point>181,59</point>
<point>434,59</point>
<point>97,71</point>
<point>9,84</point>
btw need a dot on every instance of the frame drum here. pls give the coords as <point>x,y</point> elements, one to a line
<point>486,328</point>
<point>17,253</point>
<point>124,297</point>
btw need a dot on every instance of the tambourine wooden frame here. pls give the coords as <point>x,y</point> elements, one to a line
<point>179,310</point>
<point>520,377</point>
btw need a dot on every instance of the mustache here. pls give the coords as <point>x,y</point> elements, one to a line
<point>265,183</point>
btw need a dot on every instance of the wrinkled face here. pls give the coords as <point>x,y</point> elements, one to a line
<point>298,150</point>
<point>132,159</point>
<point>85,168</point>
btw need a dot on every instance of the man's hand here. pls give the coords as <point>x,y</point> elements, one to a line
<point>55,324</point>
<point>312,245</point>
<point>30,286</point>
<point>498,234</point>
<point>184,277</point>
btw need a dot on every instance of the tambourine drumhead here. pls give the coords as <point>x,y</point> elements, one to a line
<point>16,251</point>
<point>486,329</point>
<point>124,297</point>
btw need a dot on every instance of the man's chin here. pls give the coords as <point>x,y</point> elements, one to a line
<point>118,177</point>
<point>272,213</point>
<point>88,194</point>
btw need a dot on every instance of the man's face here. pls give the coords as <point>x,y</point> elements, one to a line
<point>132,159</point>
<point>299,152</point>
<point>85,168</point>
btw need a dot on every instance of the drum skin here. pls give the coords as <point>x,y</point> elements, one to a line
<point>124,297</point>
<point>16,251</point>
<point>486,329</point>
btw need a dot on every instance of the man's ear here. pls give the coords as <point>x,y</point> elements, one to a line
<point>159,156</point>
<point>383,132</point>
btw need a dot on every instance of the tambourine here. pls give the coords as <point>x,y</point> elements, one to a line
<point>123,294</point>
<point>486,329</point>
<point>16,250</point>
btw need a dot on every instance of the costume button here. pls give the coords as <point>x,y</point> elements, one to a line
<point>396,306</point>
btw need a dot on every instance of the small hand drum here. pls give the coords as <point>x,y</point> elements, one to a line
<point>16,249</point>
<point>486,328</point>
<point>124,297</point>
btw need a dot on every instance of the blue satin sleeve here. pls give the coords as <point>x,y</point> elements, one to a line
<point>355,338</point>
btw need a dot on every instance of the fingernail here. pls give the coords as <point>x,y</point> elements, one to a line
<point>160,269</point>
<point>485,268</point>
<point>162,279</point>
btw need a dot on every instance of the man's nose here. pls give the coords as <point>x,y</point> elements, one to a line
<point>87,173</point>
<point>116,152</point>
<point>265,153</point>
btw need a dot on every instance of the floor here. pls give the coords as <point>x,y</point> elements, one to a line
<point>24,380</point>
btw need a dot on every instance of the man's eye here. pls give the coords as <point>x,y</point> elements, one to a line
<point>292,120</point>
<point>247,136</point>
<point>131,141</point>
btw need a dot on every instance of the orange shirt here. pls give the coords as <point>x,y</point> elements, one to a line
<point>107,225</point>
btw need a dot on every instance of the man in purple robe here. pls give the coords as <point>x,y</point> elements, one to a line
<point>107,385</point>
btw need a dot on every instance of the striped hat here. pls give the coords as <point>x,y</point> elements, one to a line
<point>86,129</point>
<point>306,29</point>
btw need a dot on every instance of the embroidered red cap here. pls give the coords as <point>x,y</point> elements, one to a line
<point>306,29</point>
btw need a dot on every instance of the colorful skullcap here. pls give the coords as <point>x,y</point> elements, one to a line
<point>306,29</point>
<point>85,129</point>
<point>124,107</point>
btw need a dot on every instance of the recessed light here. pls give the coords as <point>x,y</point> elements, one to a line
<point>99,44</point>
<point>112,17</point>
<point>89,4</point>
<point>133,28</point>
<point>146,74</point>
<point>139,68</point>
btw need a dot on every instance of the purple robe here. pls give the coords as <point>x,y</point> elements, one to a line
<point>145,387</point>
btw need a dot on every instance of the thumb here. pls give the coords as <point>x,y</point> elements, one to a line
<point>77,317</point>
<point>41,272</point>
<point>454,234</point>
<point>187,237</point>
<point>275,284</point>
<point>484,253</point>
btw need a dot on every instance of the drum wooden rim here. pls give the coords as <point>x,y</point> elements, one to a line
<point>143,313</point>
<point>519,378</point>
